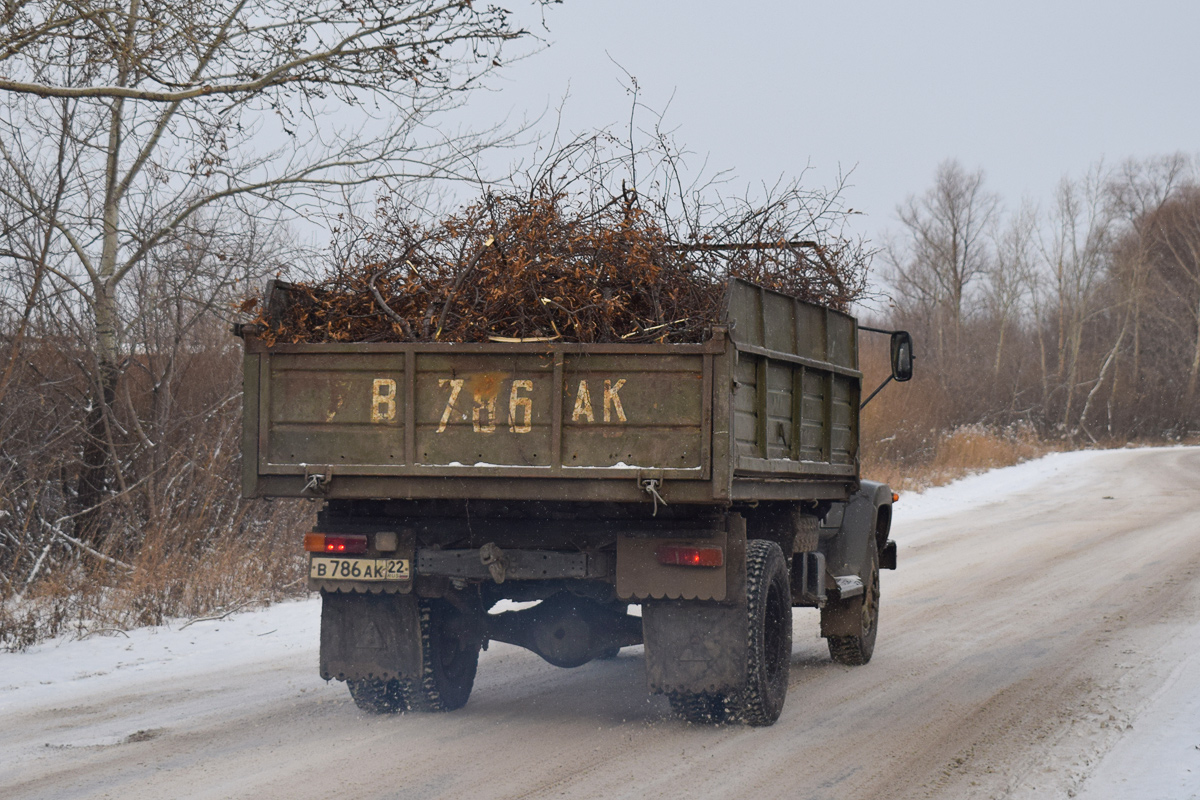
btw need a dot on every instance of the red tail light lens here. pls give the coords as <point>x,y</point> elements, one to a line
<point>329,543</point>
<point>687,556</point>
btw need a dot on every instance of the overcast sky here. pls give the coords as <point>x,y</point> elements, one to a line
<point>1026,90</point>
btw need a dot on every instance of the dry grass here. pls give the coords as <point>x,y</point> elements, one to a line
<point>166,582</point>
<point>963,451</point>
<point>178,543</point>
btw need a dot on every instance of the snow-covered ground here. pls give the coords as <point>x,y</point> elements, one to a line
<point>1158,754</point>
<point>62,673</point>
<point>1070,682</point>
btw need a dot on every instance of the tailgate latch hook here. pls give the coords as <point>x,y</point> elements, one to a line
<point>650,486</point>
<point>317,482</point>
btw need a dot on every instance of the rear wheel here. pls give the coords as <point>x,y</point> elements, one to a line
<point>768,648</point>
<point>702,707</point>
<point>378,696</point>
<point>769,643</point>
<point>856,620</point>
<point>450,644</point>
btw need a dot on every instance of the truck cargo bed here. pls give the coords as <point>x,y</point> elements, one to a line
<point>767,409</point>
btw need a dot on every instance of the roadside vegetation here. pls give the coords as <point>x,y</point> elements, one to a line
<point>1072,328</point>
<point>123,264</point>
<point>1076,325</point>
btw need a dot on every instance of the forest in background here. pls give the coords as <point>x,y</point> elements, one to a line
<point>142,202</point>
<point>1071,326</point>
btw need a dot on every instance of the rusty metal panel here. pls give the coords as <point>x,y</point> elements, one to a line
<point>339,410</point>
<point>250,421</point>
<point>484,410</point>
<point>745,405</point>
<point>723,449</point>
<point>644,412</point>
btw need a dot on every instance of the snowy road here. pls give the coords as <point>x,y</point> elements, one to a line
<point>1040,639</point>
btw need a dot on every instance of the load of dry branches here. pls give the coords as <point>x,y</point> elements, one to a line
<point>548,265</point>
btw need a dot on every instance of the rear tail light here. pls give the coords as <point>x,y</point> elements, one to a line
<point>688,556</point>
<point>328,543</point>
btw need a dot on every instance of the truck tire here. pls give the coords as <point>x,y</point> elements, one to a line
<point>450,659</point>
<point>857,614</point>
<point>769,631</point>
<point>377,696</point>
<point>768,648</point>
<point>700,707</point>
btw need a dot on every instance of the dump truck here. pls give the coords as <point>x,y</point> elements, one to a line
<point>710,486</point>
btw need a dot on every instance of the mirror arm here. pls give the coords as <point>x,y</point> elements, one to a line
<point>871,397</point>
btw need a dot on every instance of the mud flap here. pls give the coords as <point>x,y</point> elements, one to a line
<point>841,620</point>
<point>370,636</point>
<point>887,556</point>
<point>694,646</point>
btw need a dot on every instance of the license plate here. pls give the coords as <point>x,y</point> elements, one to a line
<point>359,569</point>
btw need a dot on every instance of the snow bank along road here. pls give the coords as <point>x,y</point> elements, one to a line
<point>1040,639</point>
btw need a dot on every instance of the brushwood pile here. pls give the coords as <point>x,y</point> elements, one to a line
<point>546,267</point>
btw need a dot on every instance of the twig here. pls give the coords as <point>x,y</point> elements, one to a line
<point>37,567</point>
<point>103,502</point>
<point>384,306</point>
<point>520,340</point>
<point>462,276</point>
<point>222,615</point>
<point>102,630</point>
<point>90,550</point>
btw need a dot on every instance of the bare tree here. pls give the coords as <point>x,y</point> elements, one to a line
<point>129,129</point>
<point>1174,233</point>
<point>1010,276</point>
<point>1138,189</point>
<point>1077,250</point>
<point>944,247</point>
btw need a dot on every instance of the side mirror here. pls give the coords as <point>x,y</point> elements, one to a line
<point>902,356</point>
